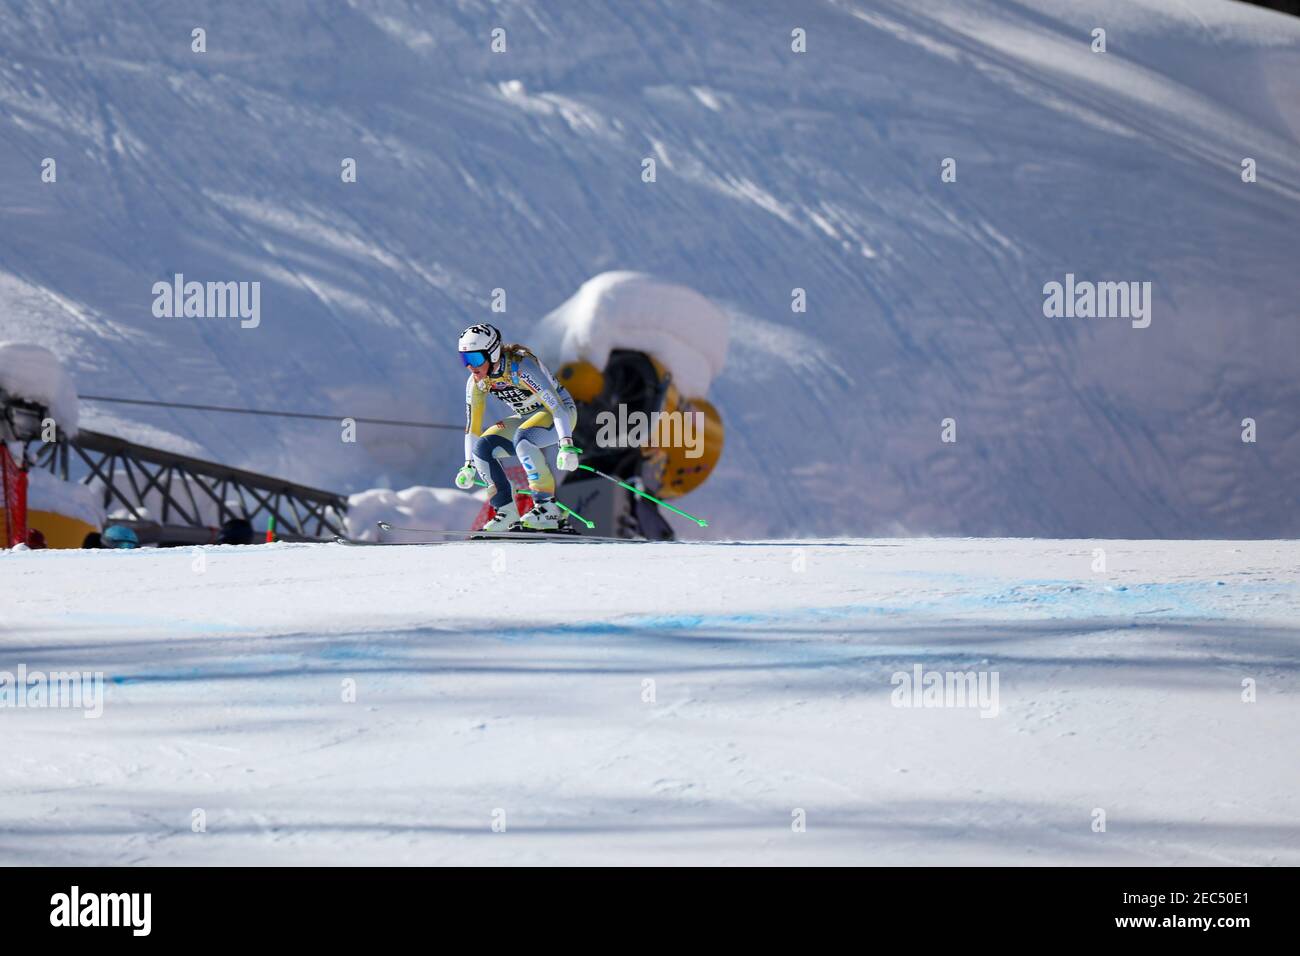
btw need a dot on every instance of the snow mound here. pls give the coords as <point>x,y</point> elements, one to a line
<point>418,507</point>
<point>631,310</point>
<point>35,374</point>
<point>47,492</point>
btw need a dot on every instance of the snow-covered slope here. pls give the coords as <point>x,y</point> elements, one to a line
<point>775,170</point>
<point>682,711</point>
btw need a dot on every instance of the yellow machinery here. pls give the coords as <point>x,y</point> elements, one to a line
<point>633,423</point>
<point>681,469</point>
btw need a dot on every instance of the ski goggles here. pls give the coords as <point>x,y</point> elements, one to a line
<point>473,359</point>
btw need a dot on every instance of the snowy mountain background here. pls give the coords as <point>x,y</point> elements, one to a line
<point>776,171</point>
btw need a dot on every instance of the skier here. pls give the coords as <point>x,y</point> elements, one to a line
<point>544,414</point>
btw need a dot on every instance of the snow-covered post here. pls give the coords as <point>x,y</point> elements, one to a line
<point>37,400</point>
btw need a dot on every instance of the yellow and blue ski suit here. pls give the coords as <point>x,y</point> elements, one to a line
<point>544,414</point>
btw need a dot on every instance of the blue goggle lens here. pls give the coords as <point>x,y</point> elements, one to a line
<point>473,359</point>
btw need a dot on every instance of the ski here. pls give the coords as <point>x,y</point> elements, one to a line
<point>358,543</point>
<point>507,535</point>
<point>568,537</point>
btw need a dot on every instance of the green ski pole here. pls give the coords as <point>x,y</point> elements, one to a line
<point>562,506</point>
<point>637,491</point>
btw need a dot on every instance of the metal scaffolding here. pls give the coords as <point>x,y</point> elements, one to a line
<point>130,473</point>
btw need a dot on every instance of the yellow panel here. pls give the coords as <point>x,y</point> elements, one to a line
<point>681,474</point>
<point>583,380</point>
<point>60,531</point>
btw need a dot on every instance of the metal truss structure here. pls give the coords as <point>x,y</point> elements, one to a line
<point>168,496</point>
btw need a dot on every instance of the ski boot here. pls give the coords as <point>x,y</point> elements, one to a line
<point>506,518</point>
<point>545,517</point>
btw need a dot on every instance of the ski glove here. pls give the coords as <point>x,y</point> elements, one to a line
<point>465,477</point>
<point>567,459</point>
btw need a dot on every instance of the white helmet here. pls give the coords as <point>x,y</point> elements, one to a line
<point>480,340</point>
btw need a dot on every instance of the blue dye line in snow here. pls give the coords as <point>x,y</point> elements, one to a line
<point>1042,599</point>
<point>1071,599</point>
<point>1045,599</point>
<point>228,668</point>
<point>255,664</point>
<point>688,622</point>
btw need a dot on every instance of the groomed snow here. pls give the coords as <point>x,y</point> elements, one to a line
<point>513,678</point>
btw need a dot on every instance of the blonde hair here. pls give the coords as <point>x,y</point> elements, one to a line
<point>517,351</point>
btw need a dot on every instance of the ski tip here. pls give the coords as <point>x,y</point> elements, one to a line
<point>385,526</point>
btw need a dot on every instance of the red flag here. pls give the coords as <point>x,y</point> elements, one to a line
<point>15,498</point>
